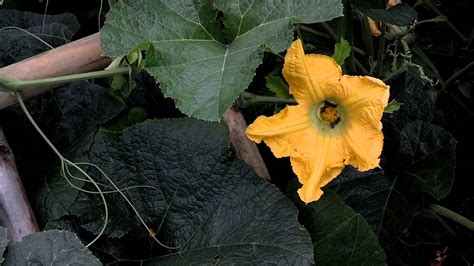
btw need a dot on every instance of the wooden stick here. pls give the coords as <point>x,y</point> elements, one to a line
<point>76,57</point>
<point>85,55</point>
<point>244,148</point>
<point>15,211</point>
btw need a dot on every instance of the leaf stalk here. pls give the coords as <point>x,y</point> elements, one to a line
<point>455,217</point>
<point>11,85</point>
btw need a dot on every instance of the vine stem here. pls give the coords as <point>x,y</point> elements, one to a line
<point>450,25</point>
<point>457,74</point>
<point>381,50</point>
<point>79,56</point>
<point>11,85</point>
<point>453,216</point>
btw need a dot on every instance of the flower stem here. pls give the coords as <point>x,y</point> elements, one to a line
<point>452,216</point>
<point>11,85</point>
<point>247,99</point>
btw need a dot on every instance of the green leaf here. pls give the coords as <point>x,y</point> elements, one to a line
<point>386,207</point>
<point>418,104</point>
<point>3,242</point>
<point>340,235</point>
<point>429,152</point>
<point>206,51</point>
<point>392,107</point>
<point>342,51</point>
<point>17,45</point>
<point>278,86</point>
<point>55,197</point>
<point>50,248</point>
<point>69,117</point>
<point>400,14</point>
<point>218,207</point>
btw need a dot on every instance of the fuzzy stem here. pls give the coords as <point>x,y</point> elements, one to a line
<point>11,85</point>
<point>251,99</point>
<point>452,216</point>
<point>381,50</point>
<point>450,25</point>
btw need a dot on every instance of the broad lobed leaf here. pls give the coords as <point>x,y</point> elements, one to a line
<point>18,44</point>
<point>218,207</point>
<point>52,247</point>
<point>205,52</point>
<point>429,154</point>
<point>337,229</point>
<point>388,210</point>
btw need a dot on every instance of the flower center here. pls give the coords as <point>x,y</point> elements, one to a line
<point>328,112</point>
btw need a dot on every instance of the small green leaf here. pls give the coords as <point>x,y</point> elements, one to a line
<point>440,18</point>
<point>429,153</point>
<point>278,86</point>
<point>392,106</point>
<point>50,248</point>
<point>342,51</point>
<point>204,53</point>
<point>118,81</point>
<point>3,242</point>
<point>136,115</point>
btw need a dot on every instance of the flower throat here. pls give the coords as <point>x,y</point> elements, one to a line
<point>329,113</point>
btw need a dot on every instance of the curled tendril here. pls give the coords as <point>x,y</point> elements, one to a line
<point>65,171</point>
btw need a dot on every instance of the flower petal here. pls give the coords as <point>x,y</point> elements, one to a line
<point>309,75</point>
<point>282,131</point>
<point>317,164</point>
<point>365,101</point>
<point>364,145</point>
<point>364,88</point>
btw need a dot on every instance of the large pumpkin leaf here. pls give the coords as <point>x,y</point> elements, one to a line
<point>206,51</point>
<point>17,44</point>
<point>50,248</point>
<point>336,229</point>
<point>219,209</point>
<point>417,103</point>
<point>70,116</point>
<point>388,210</point>
<point>3,242</point>
<point>429,154</point>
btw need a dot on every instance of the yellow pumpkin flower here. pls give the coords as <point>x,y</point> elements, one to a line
<point>336,122</point>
